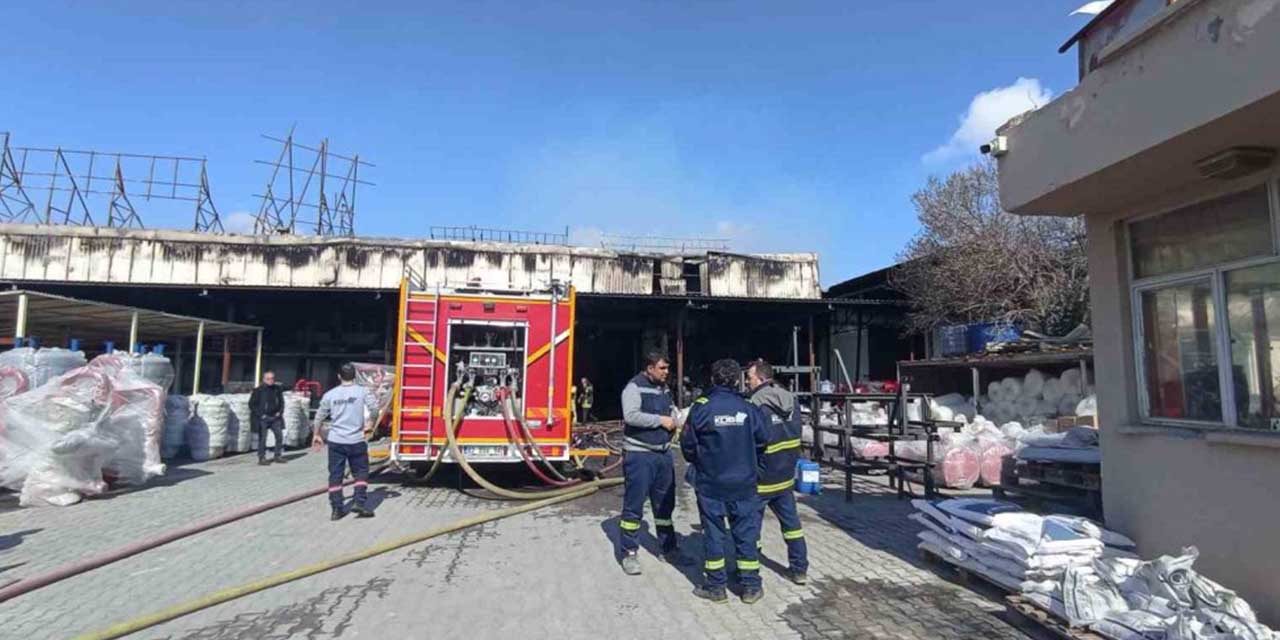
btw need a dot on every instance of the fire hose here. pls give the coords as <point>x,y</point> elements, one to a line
<point>539,499</point>
<point>507,409</point>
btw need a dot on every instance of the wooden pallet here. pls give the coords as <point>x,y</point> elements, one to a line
<point>1087,477</point>
<point>1048,620</point>
<point>1028,609</point>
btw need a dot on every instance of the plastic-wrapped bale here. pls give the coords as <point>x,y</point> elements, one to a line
<point>1072,381</point>
<point>868,449</point>
<point>44,364</point>
<point>1067,405</point>
<point>1033,383</point>
<point>992,461</point>
<point>136,421</point>
<point>297,424</point>
<point>240,436</point>
<point>207,431</point>
<point>13,381</point>
<point>1088,406</point>
<point>1053,390</point>
<point>177,413</point>
<point>155,368</point>
<point>957,467</point>
<point>53,444</point>
<point>1012,388</point>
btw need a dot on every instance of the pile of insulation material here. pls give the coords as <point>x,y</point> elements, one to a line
<point>207,429</point>
<point>1085,574</point>
<point>210,426</point>
<point>979,452</point>
<point>240,435</point>
<point>1036,398</point>
<point>80,431</point>
<point>25,368</point>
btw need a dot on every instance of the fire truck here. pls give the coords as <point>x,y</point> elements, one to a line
<point>513,349</point>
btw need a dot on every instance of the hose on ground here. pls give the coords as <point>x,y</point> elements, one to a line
<point>78,567</point>
<point>219,597</point>
<point>456,452</point>
<point>439,461</point>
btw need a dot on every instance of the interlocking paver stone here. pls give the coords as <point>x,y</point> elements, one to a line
<point>549,574</point>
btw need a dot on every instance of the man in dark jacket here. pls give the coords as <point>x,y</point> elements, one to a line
<point>266,411</point>
<point>723,439</point>
<point>778,466</point>
<point>648,469</point>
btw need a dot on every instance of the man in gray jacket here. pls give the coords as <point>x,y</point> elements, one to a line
<point>648,468</point>
<point>343,407</point>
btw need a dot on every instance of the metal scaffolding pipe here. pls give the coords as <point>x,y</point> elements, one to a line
<point>257,362</point>
<point>20,325</point>
<point>133,333</point>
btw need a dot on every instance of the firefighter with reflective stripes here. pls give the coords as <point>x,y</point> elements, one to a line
<point>778,466</point>
<point>648,468</point>
<point>723,439</point>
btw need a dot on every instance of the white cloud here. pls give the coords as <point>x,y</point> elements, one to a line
<point>988,111</point>
<point>239,222</point>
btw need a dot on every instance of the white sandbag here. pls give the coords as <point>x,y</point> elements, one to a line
<point>240,436</point>
<point>177,413</point>
<point>207,431</point>
<point>1033,383</point>
<point>1088,406</point>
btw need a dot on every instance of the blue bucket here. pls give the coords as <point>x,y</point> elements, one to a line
<point>808,477</point>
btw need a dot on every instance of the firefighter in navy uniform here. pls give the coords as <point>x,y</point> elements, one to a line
<point>648,468</point>
<point>724,438</point>
<point>778,466</point>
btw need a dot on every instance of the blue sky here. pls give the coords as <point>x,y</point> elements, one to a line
<point>797,126</point>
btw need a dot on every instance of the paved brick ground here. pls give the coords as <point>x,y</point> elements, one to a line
<point>546,574</point>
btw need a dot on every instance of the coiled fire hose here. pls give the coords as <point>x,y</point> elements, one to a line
<point>456,452</point>
<point>507,410</point>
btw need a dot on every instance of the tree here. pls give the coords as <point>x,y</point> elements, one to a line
<point>972,261</point>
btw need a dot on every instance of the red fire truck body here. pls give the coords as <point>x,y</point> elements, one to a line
<point>520,341</point>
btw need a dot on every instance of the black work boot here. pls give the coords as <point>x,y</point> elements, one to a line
<point>798,577</point>
<point>712,594</point>
<point>279,460</point>
<point>262,462</point>
<point>336,514</point>
<point>752,595</point>
<point>362,511</point>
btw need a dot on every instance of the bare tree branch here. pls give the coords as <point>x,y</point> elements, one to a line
<point>972,261</point>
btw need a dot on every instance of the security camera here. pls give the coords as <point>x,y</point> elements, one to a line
<point>996,148</point>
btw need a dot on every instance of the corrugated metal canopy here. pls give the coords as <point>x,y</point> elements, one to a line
<point>52,318</point>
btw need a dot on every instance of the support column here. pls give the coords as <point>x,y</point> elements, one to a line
<point>20,326</point>
<point>133,333</point>
<point>226,361</point>
<point>257,362</point>
<point>195,377</point>
<point>680,400</point>
<point>813,361</point>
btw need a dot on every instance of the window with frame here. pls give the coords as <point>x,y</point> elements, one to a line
<point>1206,295</point>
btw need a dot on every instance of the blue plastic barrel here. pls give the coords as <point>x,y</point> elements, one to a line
<point>808,477</point>
<point>108,346</point>
<point>157,349</point>
<point>73,344</point>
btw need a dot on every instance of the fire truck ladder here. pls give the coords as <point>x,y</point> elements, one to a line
<point>418,355</point>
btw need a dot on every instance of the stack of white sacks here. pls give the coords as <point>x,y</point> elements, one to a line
<point>1036,397</point>
<point>1085,574</point>
<point>210,426</point>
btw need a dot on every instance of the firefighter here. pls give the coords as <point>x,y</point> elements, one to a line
<point>778,466</point>
<point>724,438</point>
<point>586,400</point>
<point>343,408</point>
<point>648,469</point>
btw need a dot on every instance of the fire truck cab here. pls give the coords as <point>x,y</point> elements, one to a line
<point>500,343</point>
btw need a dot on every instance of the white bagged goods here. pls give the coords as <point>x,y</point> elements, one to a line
<point>207,431</point>
<point>154,367</point>
<point>995,391</point>
<point>240,436</point>
<point>297,423</point>
<point>1033,383</point>
<point>1047,409</point>
<point>177,413</point>
<point>1053,390</point>
<point>13,380</point>
<point>1088,406</point>
<point>136,422</point>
